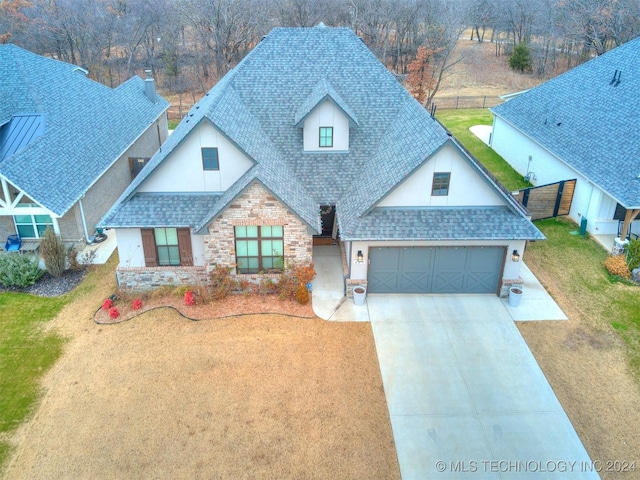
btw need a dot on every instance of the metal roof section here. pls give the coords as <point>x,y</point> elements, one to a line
<point>88,125</point>
<point>585,117</point>
<point>19,133</point>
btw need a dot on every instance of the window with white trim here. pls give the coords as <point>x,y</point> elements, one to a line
<point>32,226</point>
<point>326,137</point>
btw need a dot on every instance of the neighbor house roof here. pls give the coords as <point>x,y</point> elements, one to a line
<point>587,117</point>
<point>79,127</point>
<point>260,104</point>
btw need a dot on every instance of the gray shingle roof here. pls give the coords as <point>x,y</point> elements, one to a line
<point>257,105</point>
<point>481,223</point>
<point>318,94</point>
<point>149,210</point>
<point>589,122</point>
<point>88,125</point>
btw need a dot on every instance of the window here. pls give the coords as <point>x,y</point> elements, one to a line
<point>440,184</point>
<point>167,246</point>
<point>210,159</point>
<point>259,249</point>
<point>326,136</point>
<point>32,226</point>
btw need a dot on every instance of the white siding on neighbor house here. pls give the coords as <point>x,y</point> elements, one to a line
<point>182,171</point>
<point>511,269</point>
<point>466,187</point>
<point>327,114</point>
<point>131,253</point>
<point>588,200</point>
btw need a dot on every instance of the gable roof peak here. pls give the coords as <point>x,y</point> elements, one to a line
<point>319,93</point>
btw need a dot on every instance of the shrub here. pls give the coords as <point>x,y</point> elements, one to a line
<point>53,252</point>
<point>19,270</point>
<point>302,295</point>
<point>107,304</point>
<point>222,284</point>
<point>136,304</point>
<point>294,277</point>
<point>114,313</point>
<point>633,254</point>
<point>617,265</point>
<point>189,298</point>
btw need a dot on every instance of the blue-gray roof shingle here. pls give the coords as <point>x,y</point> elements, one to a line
<point>88,125</point>
<point>588,120</point>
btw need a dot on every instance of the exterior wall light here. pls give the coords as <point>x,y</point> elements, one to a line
<point>515,256</point>
<point>359,257</point>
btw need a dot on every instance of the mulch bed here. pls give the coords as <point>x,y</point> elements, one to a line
<point>49,286</point>
<point>233,305</point>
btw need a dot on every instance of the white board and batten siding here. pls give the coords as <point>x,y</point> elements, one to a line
<point>589,201</point>
<point>182,171</point>
<point>131,252</point>
<point>326,114</point>
<point>415,191</point>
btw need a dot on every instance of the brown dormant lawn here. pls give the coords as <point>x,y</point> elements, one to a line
<point>160,396</point>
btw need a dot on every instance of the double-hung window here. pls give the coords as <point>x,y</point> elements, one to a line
<point>167,246</point>
<point>210,158</point>
<point>440,186</point>
<point>326,136</point>
<point>259,248</point>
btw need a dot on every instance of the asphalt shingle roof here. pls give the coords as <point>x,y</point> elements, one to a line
<point>258,105</point>
<point>589,121</point>
<point>488,223</point>
<point>87,125</point>
<point>149,210</point>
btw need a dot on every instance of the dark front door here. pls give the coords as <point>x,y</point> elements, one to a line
<point>328,219</point>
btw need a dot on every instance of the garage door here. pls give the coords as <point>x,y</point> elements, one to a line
<point>435,269</point>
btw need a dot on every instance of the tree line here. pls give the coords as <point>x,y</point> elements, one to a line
<point>190,44</point>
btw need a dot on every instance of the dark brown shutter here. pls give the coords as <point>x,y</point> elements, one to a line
<point>149,247</point>
<point>184,245</point>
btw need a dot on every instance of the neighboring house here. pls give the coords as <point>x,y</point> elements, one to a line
<point>68,144</point>
<point>582,125</point>
<point>310,137</point>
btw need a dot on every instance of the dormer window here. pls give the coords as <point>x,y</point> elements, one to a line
<point>326,137</point>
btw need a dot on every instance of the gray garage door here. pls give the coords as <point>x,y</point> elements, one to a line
<point>435,269</point>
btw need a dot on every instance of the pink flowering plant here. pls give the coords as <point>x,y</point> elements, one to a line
<point>114,313</point>
<point>189,298</point>
<point>107,304</point>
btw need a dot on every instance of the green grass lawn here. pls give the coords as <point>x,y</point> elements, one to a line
<point>574,262</point>
<point>458,123</point>
<point>26,352</point>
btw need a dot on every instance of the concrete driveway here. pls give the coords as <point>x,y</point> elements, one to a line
<point>466,396</point>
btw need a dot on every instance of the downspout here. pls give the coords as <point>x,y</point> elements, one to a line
<point>84,221</point>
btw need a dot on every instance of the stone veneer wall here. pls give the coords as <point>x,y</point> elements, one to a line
<point>256,206</point>
<point>507,284</point>
<point>143,278</point>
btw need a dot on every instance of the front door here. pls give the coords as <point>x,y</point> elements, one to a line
<point>329,232</point>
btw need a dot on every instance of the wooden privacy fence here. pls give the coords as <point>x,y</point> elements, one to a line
<point>454,103</point>
<point>549,200</point>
